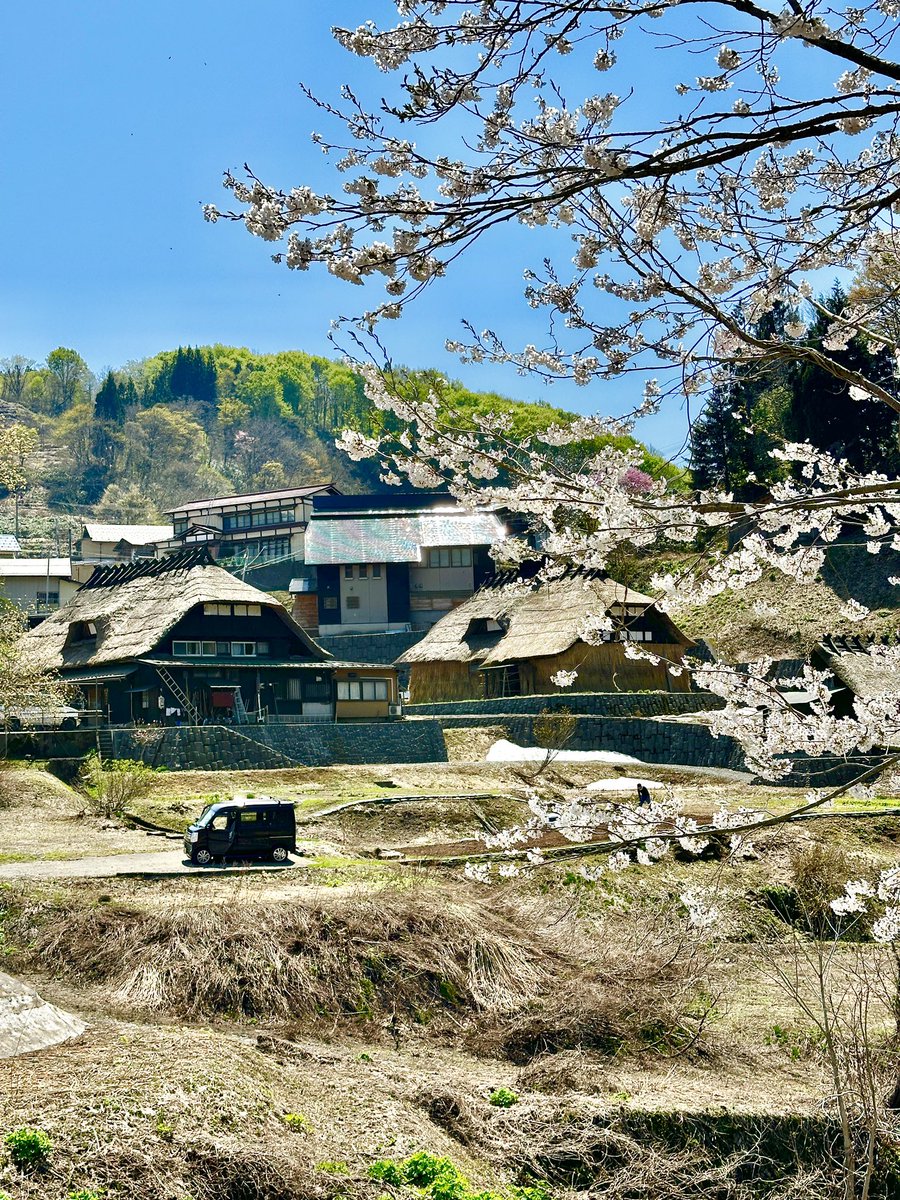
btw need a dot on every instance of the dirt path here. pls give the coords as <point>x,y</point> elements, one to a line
<point>152,862</point>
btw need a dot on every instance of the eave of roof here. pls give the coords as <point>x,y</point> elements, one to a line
<point>241,498</point>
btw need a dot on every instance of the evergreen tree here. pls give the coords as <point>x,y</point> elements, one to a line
<point>109,402</point>
<point>822,411</point>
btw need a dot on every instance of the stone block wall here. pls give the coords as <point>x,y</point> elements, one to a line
<point>675,743</point>
<point>369,647</point>
<point>262,747</point>
<point>596,704</point>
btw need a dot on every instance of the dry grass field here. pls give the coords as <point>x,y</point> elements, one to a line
<point>270,1037</point>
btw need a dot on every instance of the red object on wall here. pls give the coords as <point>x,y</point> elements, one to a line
<point>223,699</point>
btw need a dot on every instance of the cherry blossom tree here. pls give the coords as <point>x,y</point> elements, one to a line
<point>669,219</point>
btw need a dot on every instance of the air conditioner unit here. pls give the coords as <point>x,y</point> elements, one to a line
<point>395,710</point>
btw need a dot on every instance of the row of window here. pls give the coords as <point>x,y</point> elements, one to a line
<point>220,649</point>
<point>362,689</point>
<point>259,517</point>
<point>362,571</point>
<point>450,556</point>
<point>263,550</point>
<point>232,610</point>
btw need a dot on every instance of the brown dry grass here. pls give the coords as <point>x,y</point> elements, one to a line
<point>40,817</point>
<point>509,974</point>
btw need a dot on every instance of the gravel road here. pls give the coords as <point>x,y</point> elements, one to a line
<point>151,862</point>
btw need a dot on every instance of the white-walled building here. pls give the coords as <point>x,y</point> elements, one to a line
<point>37,585</point>
<point>396,561</point>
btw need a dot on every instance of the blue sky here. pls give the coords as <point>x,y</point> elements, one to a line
<point>120,117</point>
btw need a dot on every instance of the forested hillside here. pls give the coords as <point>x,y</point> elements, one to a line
<point>198,421</point>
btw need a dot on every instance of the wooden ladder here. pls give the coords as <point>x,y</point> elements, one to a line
<point>181,696</point>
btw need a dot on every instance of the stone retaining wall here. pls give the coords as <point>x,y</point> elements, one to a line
<point>262,747</point>
<point>675,743</point>
<point>369,647</point>
<point>596,704</point>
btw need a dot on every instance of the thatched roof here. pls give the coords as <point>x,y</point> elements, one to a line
<point>133,607</point>
<point>866,669</point>
<point>511,621</point>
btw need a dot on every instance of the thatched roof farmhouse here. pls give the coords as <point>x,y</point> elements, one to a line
<point>181,639</point>
<point>513,635</point>
<point>861,669</point>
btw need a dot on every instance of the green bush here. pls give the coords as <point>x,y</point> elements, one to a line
<point>28,1147</point>
<point>333,1168</point>
<point>84,1194</point>
<point>299,1122</point>
<point>112,785</point>
<point>440,1179</point>
<point>504,1098</point>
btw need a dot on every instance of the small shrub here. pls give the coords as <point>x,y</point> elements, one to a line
<point>333,1168</point>
<point>28,1148</point>
<point>165,1131</point>
<point>112,786</point>
<point>299,1122</point>
<point>819,873</point>
<point>84,1194</point>
<point>387,1170</point>
<point>504,1097</point>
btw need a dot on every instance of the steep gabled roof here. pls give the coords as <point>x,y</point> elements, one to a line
<point>507,621</point>
<point>134,606</point>
<point>866,668</point>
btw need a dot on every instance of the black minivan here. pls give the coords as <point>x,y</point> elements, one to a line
<point>248,828</point>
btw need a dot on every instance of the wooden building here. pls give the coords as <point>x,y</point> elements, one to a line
<point>180,640</point>
<point>513,635</point>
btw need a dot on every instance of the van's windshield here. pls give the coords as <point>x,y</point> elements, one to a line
<point>209,814</point>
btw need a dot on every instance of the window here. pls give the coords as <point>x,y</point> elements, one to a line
<point>317,691</point>
<point>259,518</point>
<point>376,570</point>
<point>47,599</point>
<point>352,601</point>
<point>220,821</point>
<point>363,570</point>
<point>248,816</point>
<point>348,571</point>
<point>243,649</point>
<point>293,689</point>
<point>180,525</point>
<point>240,610</point>
<point>254,610</point>
<point>209,649</point>
<point>450,556</point>
<point>331,602</point>
<point>223,649</point>
<point>262,647</point>
<point>263,550</point>
<point>362,689</point>
<point>186,649</point>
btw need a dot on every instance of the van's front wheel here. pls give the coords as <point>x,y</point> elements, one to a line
<point>279,854</point>
<point>202,858</point>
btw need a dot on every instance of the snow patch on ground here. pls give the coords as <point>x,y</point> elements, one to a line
<point>505,751</point>
<point>622,783</point>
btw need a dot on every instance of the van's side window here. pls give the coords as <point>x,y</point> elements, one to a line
<point>220,821</point>
<point>248,815</point>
